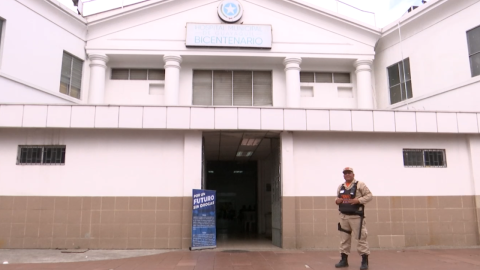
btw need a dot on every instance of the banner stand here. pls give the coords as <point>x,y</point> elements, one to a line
<point>204,230</point>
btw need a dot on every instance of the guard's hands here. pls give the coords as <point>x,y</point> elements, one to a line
<point>338,201</point>
<point>354,201</point>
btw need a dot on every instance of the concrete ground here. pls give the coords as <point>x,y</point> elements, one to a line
<point>442,259</point>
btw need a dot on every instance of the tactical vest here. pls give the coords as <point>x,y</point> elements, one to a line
<point>346,207</point>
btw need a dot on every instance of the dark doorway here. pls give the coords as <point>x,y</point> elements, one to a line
<point>243,168</point>
<point>236,186</point>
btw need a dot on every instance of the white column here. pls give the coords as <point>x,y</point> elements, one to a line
<point>292,73</point>
<point>288,164</point>
<point>192,162</point>
<point>98,66</point>
<point>364,83</point>
<point>172,78</point>
<point>474,145</point>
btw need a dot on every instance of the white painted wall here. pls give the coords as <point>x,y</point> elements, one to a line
<point>436,43</point>
<point>318,160</point>
<point>103,163</point>
<point>459,98</point>
<point>12,91</point>
<point>36,34</point>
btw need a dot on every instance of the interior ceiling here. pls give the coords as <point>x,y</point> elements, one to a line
<point>224,146</point>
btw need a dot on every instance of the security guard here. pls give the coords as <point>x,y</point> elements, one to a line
<point>351,199</point>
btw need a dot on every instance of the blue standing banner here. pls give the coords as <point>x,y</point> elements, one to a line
<point>204,231</point>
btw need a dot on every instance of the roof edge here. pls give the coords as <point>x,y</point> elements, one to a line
<point>337,16</point>
<point>67,11</point>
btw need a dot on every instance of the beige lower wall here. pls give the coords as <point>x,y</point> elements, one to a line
<point>165,222</point>
<point>311,222</point>
<point>95,222</point>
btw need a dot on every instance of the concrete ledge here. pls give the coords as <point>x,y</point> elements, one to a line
<point>235,118</point>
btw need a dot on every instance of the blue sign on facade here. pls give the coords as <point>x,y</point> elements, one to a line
<point>204,231</point>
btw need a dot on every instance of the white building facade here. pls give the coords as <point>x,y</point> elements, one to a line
<point>107,122</point>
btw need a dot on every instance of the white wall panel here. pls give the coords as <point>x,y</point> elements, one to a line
<point>59,116</point>
<point>11,115</point>
<point>405,122</point>
<point>426,122</point>
<point>447,122</point>
<point>271,119</point>
<point>226,118</point>
<point>192,162</point>
<point>320,157</point>
<point>154,117</point>
<point>83,117</point>
<point>34,116</point>
<point>318,120</point>
<point>384,121</point>
<point>248,118</point>
<point>202,118</point>
<point>178,117</point>
<point>340,120</point>
<point>106,117</point>
<point>467,122</point>
<point>362,120</point>
<point>102,162</point>
<point>295,119</point>
<point>131,117</point>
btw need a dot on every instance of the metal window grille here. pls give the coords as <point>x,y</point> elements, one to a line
<point>138,74</point>
<point>421,158</point>
<point>41,155</point>
<point>400,82</point>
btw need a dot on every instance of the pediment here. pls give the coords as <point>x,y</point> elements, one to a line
<point>295,28</point>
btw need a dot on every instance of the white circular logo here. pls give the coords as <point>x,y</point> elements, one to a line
<point>230,11</point>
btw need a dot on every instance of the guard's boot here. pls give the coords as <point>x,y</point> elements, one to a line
<point>343,262</point>
<point>364,265</point>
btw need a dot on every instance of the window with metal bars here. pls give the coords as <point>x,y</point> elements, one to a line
<point>473,39</point>
<point>400,83</point>
<point>138,74</point>
<point>71,75</point>
<point>324,77</point>
<point>416,158</point>
<point>41,155</point>
<point>232,88</point>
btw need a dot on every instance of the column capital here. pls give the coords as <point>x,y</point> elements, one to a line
<point>363,65</point>
<point>292,63</point>
<point>172,61</point>
<point>98,59</point>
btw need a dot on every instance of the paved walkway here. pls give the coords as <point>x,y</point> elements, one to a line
<point>464,259</point>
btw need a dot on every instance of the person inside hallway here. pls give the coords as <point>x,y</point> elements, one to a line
<point>351,199</point>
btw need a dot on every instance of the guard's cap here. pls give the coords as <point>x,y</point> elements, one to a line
<point>346,169</point>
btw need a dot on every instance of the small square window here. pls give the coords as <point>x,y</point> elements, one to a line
<point>341,77</point>
<point>120,74</point>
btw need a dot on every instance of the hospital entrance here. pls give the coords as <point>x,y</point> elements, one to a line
<point>244,170</point>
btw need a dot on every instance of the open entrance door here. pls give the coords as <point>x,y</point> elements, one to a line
<point>243,168</point>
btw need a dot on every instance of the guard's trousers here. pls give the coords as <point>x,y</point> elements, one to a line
<point>352,223</point>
